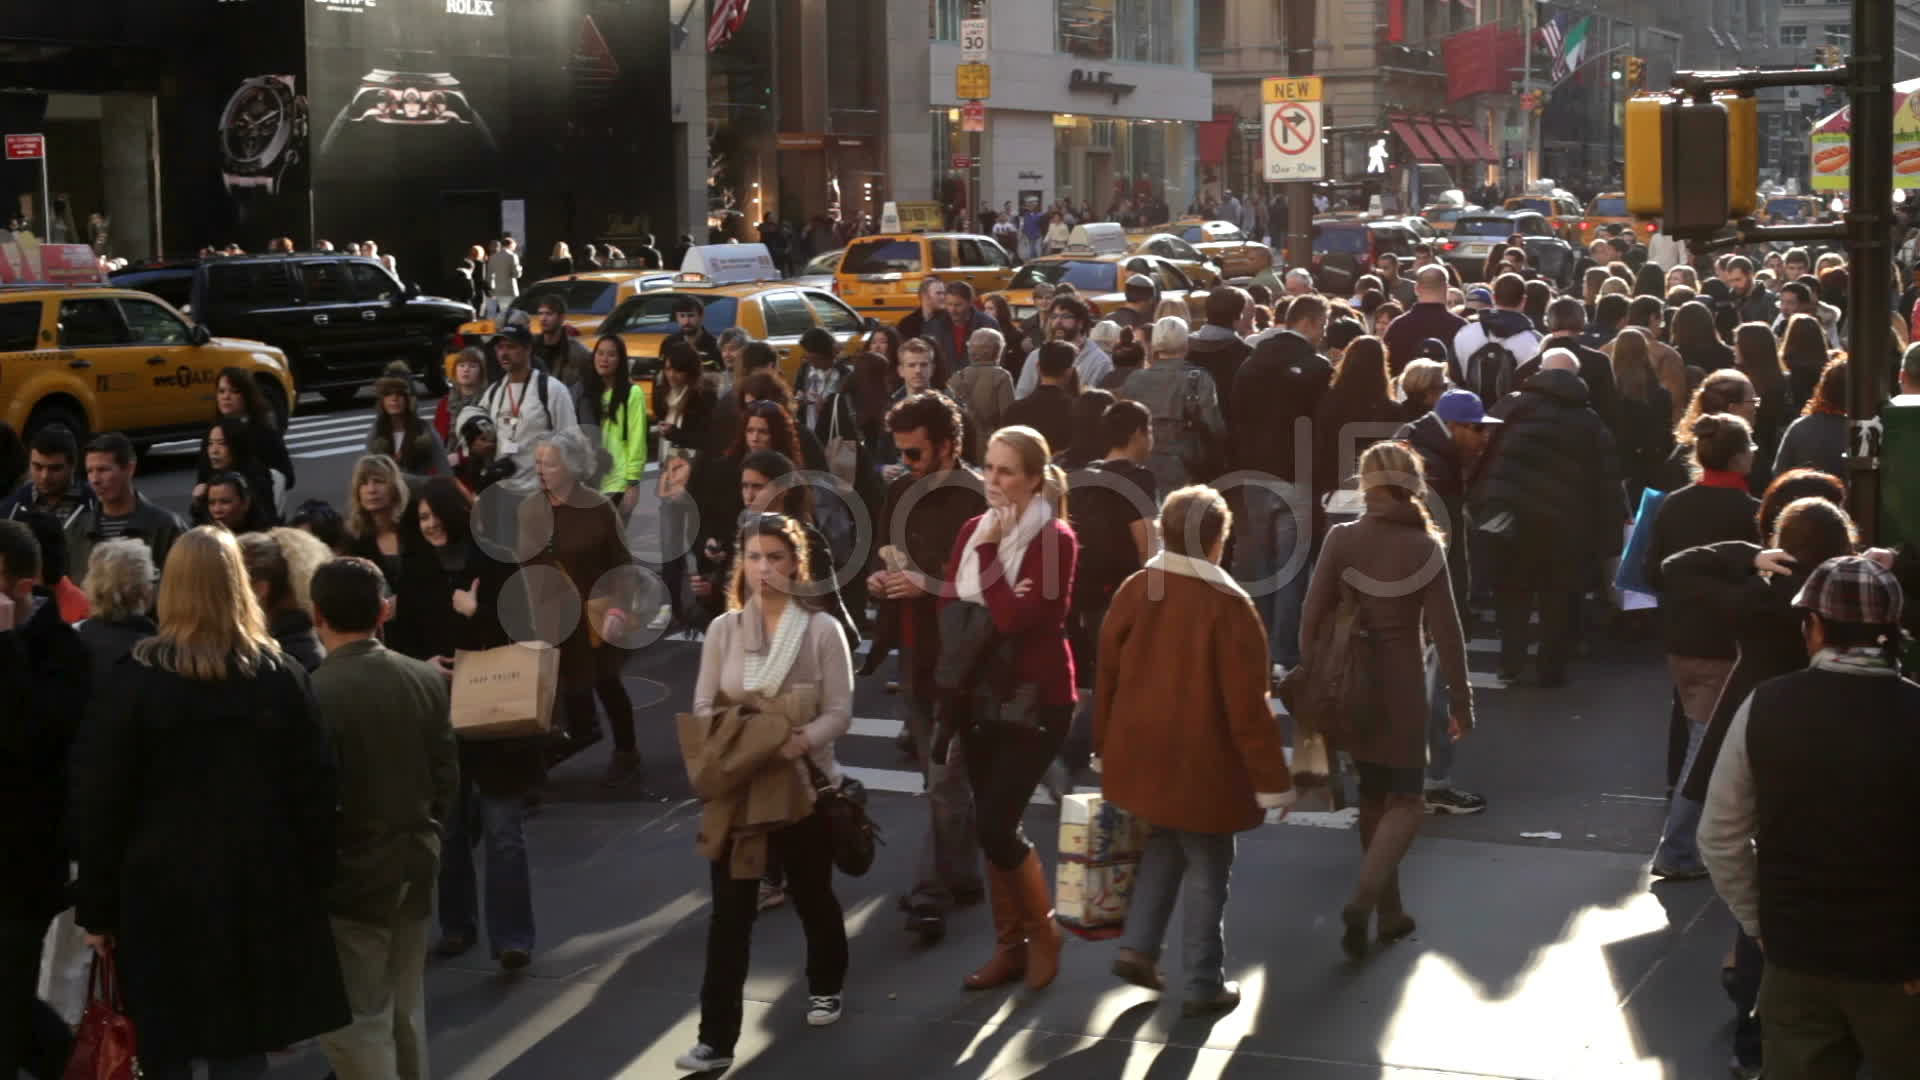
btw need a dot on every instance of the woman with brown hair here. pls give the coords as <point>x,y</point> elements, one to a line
<point>1014,355</point>
<point>398,429</point>
<point>1394,546</point>
<point>377,497</point>
<point>1818,439</point>
<point>772,644</point>
<point>202,818</point>
<point>1017,561</point>
<point>1645,432</point>
<point>280,565</point>
<point>1697,339</point>
<point>1757,354</point>
<point>1356,411</point>
<point>1803,356</point>
<point>1187,741</point>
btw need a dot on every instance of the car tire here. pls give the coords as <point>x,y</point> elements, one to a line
<point>339,397</point>
<point>276,400</point>
<point>47,416</point>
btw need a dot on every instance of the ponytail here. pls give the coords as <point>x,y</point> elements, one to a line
<point>1055,489</point>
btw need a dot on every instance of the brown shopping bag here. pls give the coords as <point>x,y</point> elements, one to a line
<point>505,693</point>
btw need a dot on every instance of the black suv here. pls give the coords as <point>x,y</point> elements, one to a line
<point>341,319</point>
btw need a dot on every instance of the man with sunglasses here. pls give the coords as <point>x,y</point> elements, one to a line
<point>1450,441</point>
<point>924,510</point>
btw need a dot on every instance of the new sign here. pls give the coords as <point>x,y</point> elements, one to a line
<point>1290,124</point>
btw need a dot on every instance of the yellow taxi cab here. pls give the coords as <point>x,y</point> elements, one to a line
<point>589,297</point>
<point>736,285</point>
<point>1234,252</point>
<point>1791,210</point>
<point>92,358</point>
<point>1606,214</point>
<point>1193,262</point>
<point>1562,211</point>
<point>1100,276</point>
<point>881,275</point>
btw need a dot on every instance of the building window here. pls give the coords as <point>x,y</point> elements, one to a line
<point>1839,33</point>
<point>1086,28</point>
<point>1792,34</point>
<point>1210,25</point>
<point>1149,31</point>
<point>945,16</point>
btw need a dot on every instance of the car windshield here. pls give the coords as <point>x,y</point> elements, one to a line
<point>581,297</point>
<point>1087,276</point>
<point>1786,208</point>
<point>1544,206</point>
<point>1609,206</point>
<point>1349,241</point>
<point>883,257</point>
<point>652,313</point>
<point>1467,226</point>
<point>1443,216</point>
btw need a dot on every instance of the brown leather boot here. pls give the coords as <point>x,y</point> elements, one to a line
<point>1044,937</point>
<point>1010,937</point>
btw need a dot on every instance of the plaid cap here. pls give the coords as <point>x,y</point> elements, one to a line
<point>1852,589</point>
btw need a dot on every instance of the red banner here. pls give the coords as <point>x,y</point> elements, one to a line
<point>1396,20</point>
<point>1483,60</point>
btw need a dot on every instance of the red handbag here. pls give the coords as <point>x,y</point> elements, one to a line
<point>104,1047</point>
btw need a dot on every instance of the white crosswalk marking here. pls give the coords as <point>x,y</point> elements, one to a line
<point>307,437</point>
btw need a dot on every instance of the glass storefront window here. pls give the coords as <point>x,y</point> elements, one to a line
<point>1101,162</point>
<point>1140,31</point>
<point>944,18</point>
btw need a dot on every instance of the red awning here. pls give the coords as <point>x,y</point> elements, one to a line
<point>1482,149</point>
<point>1404,129</point>
<point>1214,134</point>
<point>1462,148</point>
<point>1440,149</point>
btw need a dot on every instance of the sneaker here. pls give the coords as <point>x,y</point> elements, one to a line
<point>823,1009</point>
<point>662,618</point>
<point>1447,800</point>
<point>703,1059</point>
<point>771,895</point>
<point>514,959</point>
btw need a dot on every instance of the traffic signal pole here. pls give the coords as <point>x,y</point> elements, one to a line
<point>1867,230</point>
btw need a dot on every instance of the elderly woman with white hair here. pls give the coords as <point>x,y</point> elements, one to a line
<point>983,388</point>
<point>1189,431</point>
<point>570,526</point>
<point>120,591</point>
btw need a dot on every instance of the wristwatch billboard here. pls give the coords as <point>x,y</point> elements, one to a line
<point>408,99</point>
<point>263,133</point>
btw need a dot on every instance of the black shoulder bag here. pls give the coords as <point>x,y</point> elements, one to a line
<point>845,807</point>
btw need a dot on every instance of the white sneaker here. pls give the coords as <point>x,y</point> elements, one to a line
<point>662,619</point>
<point>823,1009</point>
<point>702,1059</point>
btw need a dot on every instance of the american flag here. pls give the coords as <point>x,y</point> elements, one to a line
<point>728,17</point>
<point>1554,33</point>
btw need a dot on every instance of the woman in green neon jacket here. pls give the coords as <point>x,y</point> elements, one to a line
<point>607,399</point>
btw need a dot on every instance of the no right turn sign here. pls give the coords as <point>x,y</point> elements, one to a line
<point>1290,146</point>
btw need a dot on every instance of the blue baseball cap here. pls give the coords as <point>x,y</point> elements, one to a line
<point>1480,294</point>
<point>1463,407</point>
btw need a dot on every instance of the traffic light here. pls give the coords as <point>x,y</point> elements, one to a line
<point>1714,179</point>
<point>1636,72</point>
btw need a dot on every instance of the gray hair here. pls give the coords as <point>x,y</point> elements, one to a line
<point>120,579</point>
<point>1910,363</point>
<point>1106,334</point>
<point>734,337</point>
<point>1560,360</point>
<point>575,451</point>
<point>1170,336</point>
<point>986,341</point>
<point>1301,273</point>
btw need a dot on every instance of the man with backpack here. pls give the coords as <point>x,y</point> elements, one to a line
<point>525,403</point>
<point>1493,347</point>
<point>1189,432</point>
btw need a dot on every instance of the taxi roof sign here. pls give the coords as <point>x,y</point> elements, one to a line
<point>727,264</point>
<point>24,260</point>
<point>1099,237</point>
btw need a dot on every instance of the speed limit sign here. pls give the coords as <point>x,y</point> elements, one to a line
<point>973,41</point>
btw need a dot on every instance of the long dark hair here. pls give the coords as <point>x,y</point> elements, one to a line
<point>238,432</point>
<point>1361,383</point>
<point>592,386</point>
<point>797,500</point>
<point>892,349</point>
<point>1757,353</point>
<point>449,504</point>
<point>872,373</point>
<point>1830,396</point>
<point>256,402</point>
<point>779,424</point>
<point>1693,325</point>
<point>1804,345</point>
<point>1089,434</point>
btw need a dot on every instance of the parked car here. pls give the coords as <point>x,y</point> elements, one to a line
<point>340,319</point>
<point>1344,248</point>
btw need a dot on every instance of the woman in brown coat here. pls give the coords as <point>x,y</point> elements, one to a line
<point>1394,562</point>
<point>1187,741</point>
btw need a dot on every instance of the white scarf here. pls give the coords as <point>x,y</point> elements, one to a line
<point>765,672</point>
<point>1202,569</point>
<point>1013,549</point>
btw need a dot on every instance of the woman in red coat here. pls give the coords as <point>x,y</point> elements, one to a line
<point>1017,560</point>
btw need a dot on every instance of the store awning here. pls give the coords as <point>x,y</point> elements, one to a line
<point>1440,149</point>
<point>1404,128</point>
<point>1462,147</point>
<point>1482,149</point>
<point>1213,136</point>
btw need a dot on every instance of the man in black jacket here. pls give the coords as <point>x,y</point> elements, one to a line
<point>44,666</point>
<point>1566,322</point>
<point>1553,501</point>
<point>1277,389</point>
<point>118,509</point>
<point>1450,441</point>
<point>1216,347</point>
<point>1807,831</point>
<point>1427,318</point>
<point>1049,409</point>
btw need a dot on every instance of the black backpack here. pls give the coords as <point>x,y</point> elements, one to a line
<point>1490,371</point>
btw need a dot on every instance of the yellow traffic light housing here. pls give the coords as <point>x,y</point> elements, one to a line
<point>1722,153</point>
<point>1636,72</point>
<point>1743,153</point>
<point>1646,153</point>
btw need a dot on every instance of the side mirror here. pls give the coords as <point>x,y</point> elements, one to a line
<point>198,335</point>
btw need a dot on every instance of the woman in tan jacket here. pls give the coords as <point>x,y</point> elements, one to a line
<point>1394,561</point>
<point>1186,739</point>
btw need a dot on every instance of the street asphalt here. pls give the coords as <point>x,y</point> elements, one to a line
<point>1543,952</point>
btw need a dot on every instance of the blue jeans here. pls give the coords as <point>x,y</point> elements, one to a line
<point>1699,681</point>
<point>501,821</point>
<point>1193,868</point>
<point>1276,525</point>
<point>1439,739</point>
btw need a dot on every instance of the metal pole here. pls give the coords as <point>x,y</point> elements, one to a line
<point>1528,160</point>
<point>46,196</point>
<point>1869,336</point>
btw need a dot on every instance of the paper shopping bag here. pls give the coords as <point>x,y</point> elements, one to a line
<point>1100,849</point>
<point>505,693</point>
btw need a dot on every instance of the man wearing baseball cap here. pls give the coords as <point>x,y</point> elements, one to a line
<point>1808,833</point>
<point>1142,295</point>
<point>525,403</point>
<point>1450,441</point>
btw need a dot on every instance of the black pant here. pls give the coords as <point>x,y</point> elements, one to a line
<point>597,673</point>
<point>1083,635</point>
<point>32,1036</point>
<point>1004,764</point>
<point>805,852</point>
<point>1516,603</point>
